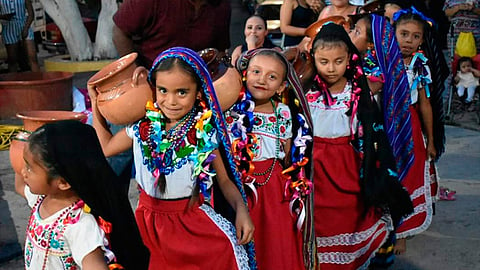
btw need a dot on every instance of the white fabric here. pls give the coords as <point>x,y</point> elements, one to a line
<point>267,129</point>
<point>179,184</point>
<point>467,79</point>
<point>331,121</point>
<point>411,76</point>
<point>79,238</point>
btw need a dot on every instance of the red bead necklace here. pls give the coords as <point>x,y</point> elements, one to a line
<point>55,224</point>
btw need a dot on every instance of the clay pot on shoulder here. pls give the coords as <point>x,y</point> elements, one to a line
<point>303,64</point>
<point>226,79</point>
<point>315,27</point>
<point>122,90</point>
<point>31,121</point>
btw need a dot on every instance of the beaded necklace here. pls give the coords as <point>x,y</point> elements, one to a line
<point>166,150</point>
<point>277,149</point>
<point>51,232</point>
<point>191,139</point>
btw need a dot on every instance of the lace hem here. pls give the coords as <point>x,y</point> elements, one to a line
<point>421,208</point>
<point>229,230</point>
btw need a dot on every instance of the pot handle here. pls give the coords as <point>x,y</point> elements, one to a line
<point>138,72</point>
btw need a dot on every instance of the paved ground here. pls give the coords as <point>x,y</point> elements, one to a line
<point>451,242</point>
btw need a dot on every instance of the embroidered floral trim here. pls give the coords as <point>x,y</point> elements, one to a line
<point>371,68</point>
<point>41,236</point>
<point>229,230</point>
<point>267,122</point>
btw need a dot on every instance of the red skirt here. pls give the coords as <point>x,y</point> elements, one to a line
<point>278,242</point>
<point>347,234</point>
<point>182,238</point>
<point>417,182</point>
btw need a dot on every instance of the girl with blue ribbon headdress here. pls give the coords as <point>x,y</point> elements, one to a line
<point>180,148</point>
<point>355,178</point>
<point>374,37</point>
<point>410,28</point>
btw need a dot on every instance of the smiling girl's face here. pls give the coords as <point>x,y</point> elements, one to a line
<point>265,78</point>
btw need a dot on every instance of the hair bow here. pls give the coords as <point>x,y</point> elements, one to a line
<point>412,10</point>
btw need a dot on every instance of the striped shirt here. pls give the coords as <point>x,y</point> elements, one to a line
<point>12,29</point>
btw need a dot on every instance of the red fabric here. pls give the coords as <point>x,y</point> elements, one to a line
<point>339,208</point>
<point>181,238</point>
<point>278,243</point>
<point>158,25</point>
<point>415,181</point>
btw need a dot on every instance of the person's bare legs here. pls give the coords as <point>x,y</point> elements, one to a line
<point>12,56</point>
<point>400,246</point>
<point>31,53</point>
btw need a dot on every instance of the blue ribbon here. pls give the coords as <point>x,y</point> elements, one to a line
<point>412,10</point>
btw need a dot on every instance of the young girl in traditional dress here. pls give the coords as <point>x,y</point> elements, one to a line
<point>355,177</point>
<point>269,137</point>
<point>176,147</point>
<point>410,27</point>
<point>374,37</point>
<point>79,213</point>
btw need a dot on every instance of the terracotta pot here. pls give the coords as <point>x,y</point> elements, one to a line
<point>303,64</point>
<point>34,91</point>
<point>315,27</point>
<point>31,121</point>
<point>122,90</point>
<point>226,79</point>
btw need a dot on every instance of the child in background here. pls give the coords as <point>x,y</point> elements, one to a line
<point>256,36</point>
<point>355,179</point>
<point>410,27</point>
<point>466,78</point>
<point>176,147</point>
<point>269,137</point>
<point>76,204</point>
<point>374,37</point>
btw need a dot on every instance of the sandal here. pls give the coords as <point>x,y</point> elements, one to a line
<point>445,194</point>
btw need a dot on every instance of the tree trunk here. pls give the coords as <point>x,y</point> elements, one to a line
<point>66,15</point>
<point>104,47</point>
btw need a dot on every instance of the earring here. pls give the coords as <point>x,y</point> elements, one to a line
<point>244,76</point>
<point>370,46</point>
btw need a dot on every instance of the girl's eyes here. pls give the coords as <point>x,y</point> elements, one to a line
<point>256,27</point>
<point>162,90</point>
<point>182,92</point>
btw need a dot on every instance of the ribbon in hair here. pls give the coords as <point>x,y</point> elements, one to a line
<point>412,10</point>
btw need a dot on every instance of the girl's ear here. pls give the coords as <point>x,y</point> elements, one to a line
<point>282,87</point>
<point>199,95</point>
<point>62,184</point>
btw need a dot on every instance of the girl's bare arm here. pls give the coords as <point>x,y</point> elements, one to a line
<point>111,144</point>
<point>94,260</point>
<point>243,223</point>
<point>427,122</point>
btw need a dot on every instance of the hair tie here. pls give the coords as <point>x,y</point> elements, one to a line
<point>412,10</point>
